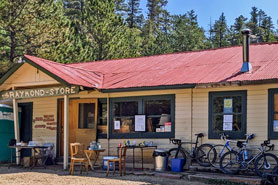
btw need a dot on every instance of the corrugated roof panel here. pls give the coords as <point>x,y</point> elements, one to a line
<point>197,67</point>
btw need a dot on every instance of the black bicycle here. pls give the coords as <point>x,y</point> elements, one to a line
<point>198,153</point>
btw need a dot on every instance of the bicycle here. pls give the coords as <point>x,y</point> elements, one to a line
<point>232,162</point>
<point>198,153</point>
<point>220,149</point>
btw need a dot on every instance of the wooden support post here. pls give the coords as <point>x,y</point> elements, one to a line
<point>66,131</point>
<point>16,129</point>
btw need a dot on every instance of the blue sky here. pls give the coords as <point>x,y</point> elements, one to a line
<point>211,9</point>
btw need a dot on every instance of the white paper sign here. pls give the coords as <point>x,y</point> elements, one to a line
<point>228,118</point>
<point>140,123</point>
<point>117,125</point>
<point>7,116</point>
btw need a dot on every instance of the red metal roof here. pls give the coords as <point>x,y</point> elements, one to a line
<point>197,67</point>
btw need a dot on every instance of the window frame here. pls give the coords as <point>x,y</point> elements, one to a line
<point>101,135</point>
<point>271,134</point>
<point>146,134</point>
<point>232,134</point>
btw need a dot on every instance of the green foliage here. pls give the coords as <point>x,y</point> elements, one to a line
<point>220,32</point>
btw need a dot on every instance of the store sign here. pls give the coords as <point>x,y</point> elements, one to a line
<point>40,92</point>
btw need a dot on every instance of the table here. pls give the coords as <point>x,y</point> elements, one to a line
<point>36,150</point>
<point>142,152</point>
<point>93,154</point>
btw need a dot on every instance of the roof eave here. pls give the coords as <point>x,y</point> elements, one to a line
<point>161,87</point>
<point>10,72</point>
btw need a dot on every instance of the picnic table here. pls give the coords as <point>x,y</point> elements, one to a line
<point>36,154</point>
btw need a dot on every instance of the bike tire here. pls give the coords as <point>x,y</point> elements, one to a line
<point>202,155</point>
<point>231,155</point>
<point>172,154</point>
<point>214,160</point>
<point>257,165</point>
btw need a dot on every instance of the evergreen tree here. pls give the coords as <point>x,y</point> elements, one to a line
<point>236,29</point>
<point>134,13</point>
<point>29,27</point>
<point>187,35</point>
<point>220,32</point>
<point>253,23</point>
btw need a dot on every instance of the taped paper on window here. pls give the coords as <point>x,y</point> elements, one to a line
<point>140,123</point>
<point>117,125</point>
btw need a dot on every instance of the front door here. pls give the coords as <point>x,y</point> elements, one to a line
<point>82,122</point>
<point>26,125</point>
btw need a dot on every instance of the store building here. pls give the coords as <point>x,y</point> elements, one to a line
<point>148,98</point>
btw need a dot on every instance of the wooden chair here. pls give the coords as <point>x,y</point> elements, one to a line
<point>74,148</point>
<point>121,160</point>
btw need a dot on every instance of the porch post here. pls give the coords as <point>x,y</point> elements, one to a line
<point>66,131</point>
<point>16,129</point>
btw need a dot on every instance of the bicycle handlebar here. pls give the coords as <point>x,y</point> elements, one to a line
<point>267,144</point>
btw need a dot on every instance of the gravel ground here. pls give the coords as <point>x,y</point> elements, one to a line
<point>56,176</point>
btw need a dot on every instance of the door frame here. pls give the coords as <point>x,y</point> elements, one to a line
<point>58,138</point>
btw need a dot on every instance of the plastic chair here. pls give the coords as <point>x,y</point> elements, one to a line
<point>74,148</point>
<point>121,160</point>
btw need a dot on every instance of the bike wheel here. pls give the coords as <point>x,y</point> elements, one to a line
<point>215,160</point>
<point>265,163</point>
<point>172,154</point>
<point>202,154</point>
<point>230,163</point>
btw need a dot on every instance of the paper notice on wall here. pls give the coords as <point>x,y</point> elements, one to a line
<point>6,116</point>
<point>140,123</point>
<point>228,118</point>
<point>275,125</point>
<point>228,105</point>
<point>117,125</point>
<point>228,122</point>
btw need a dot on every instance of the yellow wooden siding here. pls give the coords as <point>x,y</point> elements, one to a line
<point>27,75</point>
<point>41,107</point>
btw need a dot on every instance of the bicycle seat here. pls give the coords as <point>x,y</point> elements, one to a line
<point>200,135</point>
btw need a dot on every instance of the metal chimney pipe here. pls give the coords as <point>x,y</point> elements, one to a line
<point>246,66</point>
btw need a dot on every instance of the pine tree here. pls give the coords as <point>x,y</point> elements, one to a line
<point>220,32</point>
<point>134,13</point>
<point>236,28</point>
<point>187,35</point>
<point>253,22</point>
<point>29,26</point>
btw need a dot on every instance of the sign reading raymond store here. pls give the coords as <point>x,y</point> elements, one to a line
<point>39,92</point>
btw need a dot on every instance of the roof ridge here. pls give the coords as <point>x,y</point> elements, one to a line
<point>180,52</point>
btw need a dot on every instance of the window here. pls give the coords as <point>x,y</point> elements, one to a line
<point>154,117</point>
<point>273,113</point>
<point>102,118</point>
<point>86,115</point>
<point>227,113</point>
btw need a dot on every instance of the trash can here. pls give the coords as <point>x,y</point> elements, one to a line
<point>160,159</point>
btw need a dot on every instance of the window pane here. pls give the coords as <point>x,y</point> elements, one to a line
<point>86,115</point>
<point>125,108</point>
<point>275,102</point>
<point>102,118</point>
<point>237,104</point>
<point>124,113</point>
<point>158,115</point>
<point>218,123</point>
<point>218,104</point>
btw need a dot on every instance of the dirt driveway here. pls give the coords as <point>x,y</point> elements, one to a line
<point>20,176</point>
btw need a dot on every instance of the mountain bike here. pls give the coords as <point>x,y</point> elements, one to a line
<point>198,153</point>
<point>234,161</point>
<point>220,149</point>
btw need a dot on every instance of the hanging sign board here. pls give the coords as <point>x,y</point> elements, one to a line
<point>140,123</point>
<point>228,105</point>
<point>39,92</point>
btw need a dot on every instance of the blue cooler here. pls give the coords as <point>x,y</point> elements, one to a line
<point>111,167</point>
<point>177,165</point>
